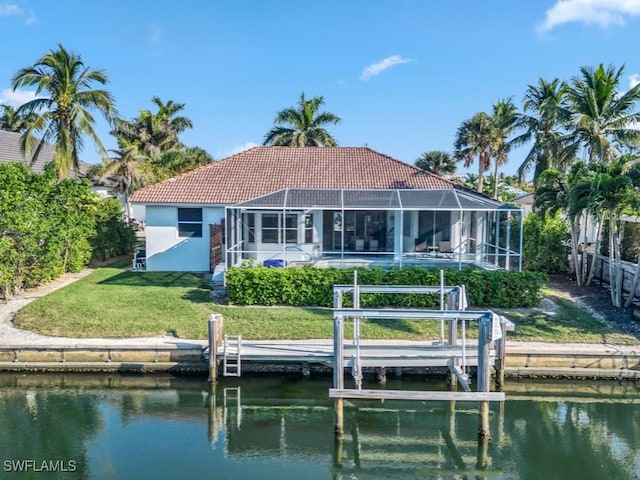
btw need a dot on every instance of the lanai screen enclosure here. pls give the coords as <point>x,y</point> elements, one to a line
<point>297,226</point>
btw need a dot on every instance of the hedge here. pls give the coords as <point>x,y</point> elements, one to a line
<point>309,286</point>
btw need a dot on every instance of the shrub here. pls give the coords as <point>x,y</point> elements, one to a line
<point>545,243</point>
<point>309,286</point>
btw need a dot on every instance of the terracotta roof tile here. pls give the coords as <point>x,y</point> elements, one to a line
<point>262,170</point>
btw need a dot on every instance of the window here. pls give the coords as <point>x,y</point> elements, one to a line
<point>308,228</point>
<point>251,227</point>
<point>190,222</point>
<point>291,228</point>
<point>270,227</point>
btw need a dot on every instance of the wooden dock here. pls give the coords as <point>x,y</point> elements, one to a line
<point>389,354</point>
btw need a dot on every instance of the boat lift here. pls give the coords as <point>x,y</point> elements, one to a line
<point>492,331</point>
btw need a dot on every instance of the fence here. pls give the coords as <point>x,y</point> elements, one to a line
<point>601,274</point>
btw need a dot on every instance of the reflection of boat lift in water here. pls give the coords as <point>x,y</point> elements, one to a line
<point>404,442</point>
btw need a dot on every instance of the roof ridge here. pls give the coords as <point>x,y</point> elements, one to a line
<point>439,177</point>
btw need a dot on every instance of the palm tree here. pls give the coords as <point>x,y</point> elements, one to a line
<point>612,194</point>
<point>545,114</point>
<point>302,126</point>
<point>63,116</point>
<point>155,133</point>
<point>436,162</point>
<point>12,121</point>
<point>166,116</point>
<point>131,169</point>
<point>505,121</point>
<point>474,138</point>
<point>600,115</point>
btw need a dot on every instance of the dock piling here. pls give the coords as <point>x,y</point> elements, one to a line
<point>484,375</point>
<point>214,336</point>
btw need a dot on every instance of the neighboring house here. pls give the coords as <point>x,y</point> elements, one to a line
<point>301,205</point>
<point>10,151</point>
<point>525,202</point>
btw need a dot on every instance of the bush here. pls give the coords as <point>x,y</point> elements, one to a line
<point>309,286</point>
<point>545,243</point>
<point>113,235</point>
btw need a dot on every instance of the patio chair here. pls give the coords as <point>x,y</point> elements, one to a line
<point>445,248</point>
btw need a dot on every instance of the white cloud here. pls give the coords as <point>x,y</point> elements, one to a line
<point>17,97</point>
<point>156,33</point>
<point>31,18</point>
<point>381,66</point>
<point>603,13</point>
<point>10,9</point>
<point>634,80</point>
<point>237,149</point>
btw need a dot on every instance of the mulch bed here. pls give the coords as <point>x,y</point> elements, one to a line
<point>598,299</point>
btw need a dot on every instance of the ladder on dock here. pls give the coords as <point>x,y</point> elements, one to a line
<point>231,360</point>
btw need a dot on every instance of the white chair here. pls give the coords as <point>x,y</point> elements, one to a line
<point>359,244</point>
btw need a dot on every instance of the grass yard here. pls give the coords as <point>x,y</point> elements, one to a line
<point>116,303</point>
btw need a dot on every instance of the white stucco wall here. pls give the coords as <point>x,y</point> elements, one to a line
<point>168,252</point>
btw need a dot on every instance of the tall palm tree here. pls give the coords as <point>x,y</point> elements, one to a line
<point>64,115</point>
<point>155,133</point>
<point>12,121</point>
<point>600,115</point>
<point>505,122</point>
<point>131,169</point>
<point>545,113</point>
<point>474,138</point>
<point>436,162</point>
<point>302,126</point>
<point>166,115</point>
<point>613,193</point>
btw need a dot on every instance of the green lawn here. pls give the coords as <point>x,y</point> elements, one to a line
<point>115,303</point>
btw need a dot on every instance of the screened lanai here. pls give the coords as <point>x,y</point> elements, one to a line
<point>297,226</point>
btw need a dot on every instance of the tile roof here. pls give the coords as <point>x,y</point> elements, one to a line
<point>261,170</point>
<point>10,151</point>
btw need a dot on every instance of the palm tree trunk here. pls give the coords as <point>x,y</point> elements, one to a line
<point>634,285</point>
<point>612,271</point>
<point>574,251</point>
<point>619,270</point>
<point>583,272</point>
<point>495,180</point>
<point>480,176</point>
<point>596,249</point>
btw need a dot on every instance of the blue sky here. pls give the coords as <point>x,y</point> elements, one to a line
<point>401,74</point>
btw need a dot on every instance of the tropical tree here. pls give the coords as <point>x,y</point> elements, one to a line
<point>614,193</point>
<point>302,126</point>
<point>12,121</point>
<point>545,113</point>
<point>553,194</point>
<point>436,162</point>
<point>474,138</point>
<point>130,168</point>
<point>505,122</point>
<point>155,133</point>
<point>63,109</point>
<point>176,162</point>
<point>602,117</point>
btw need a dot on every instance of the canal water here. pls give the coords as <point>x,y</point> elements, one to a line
<point>155,427</point>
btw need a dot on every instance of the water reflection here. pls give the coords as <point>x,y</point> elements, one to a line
<point>163,427</point>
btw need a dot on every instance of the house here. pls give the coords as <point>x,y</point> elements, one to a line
<point>10,151</point>
<point>307,205</point>
<point>525,202</point>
